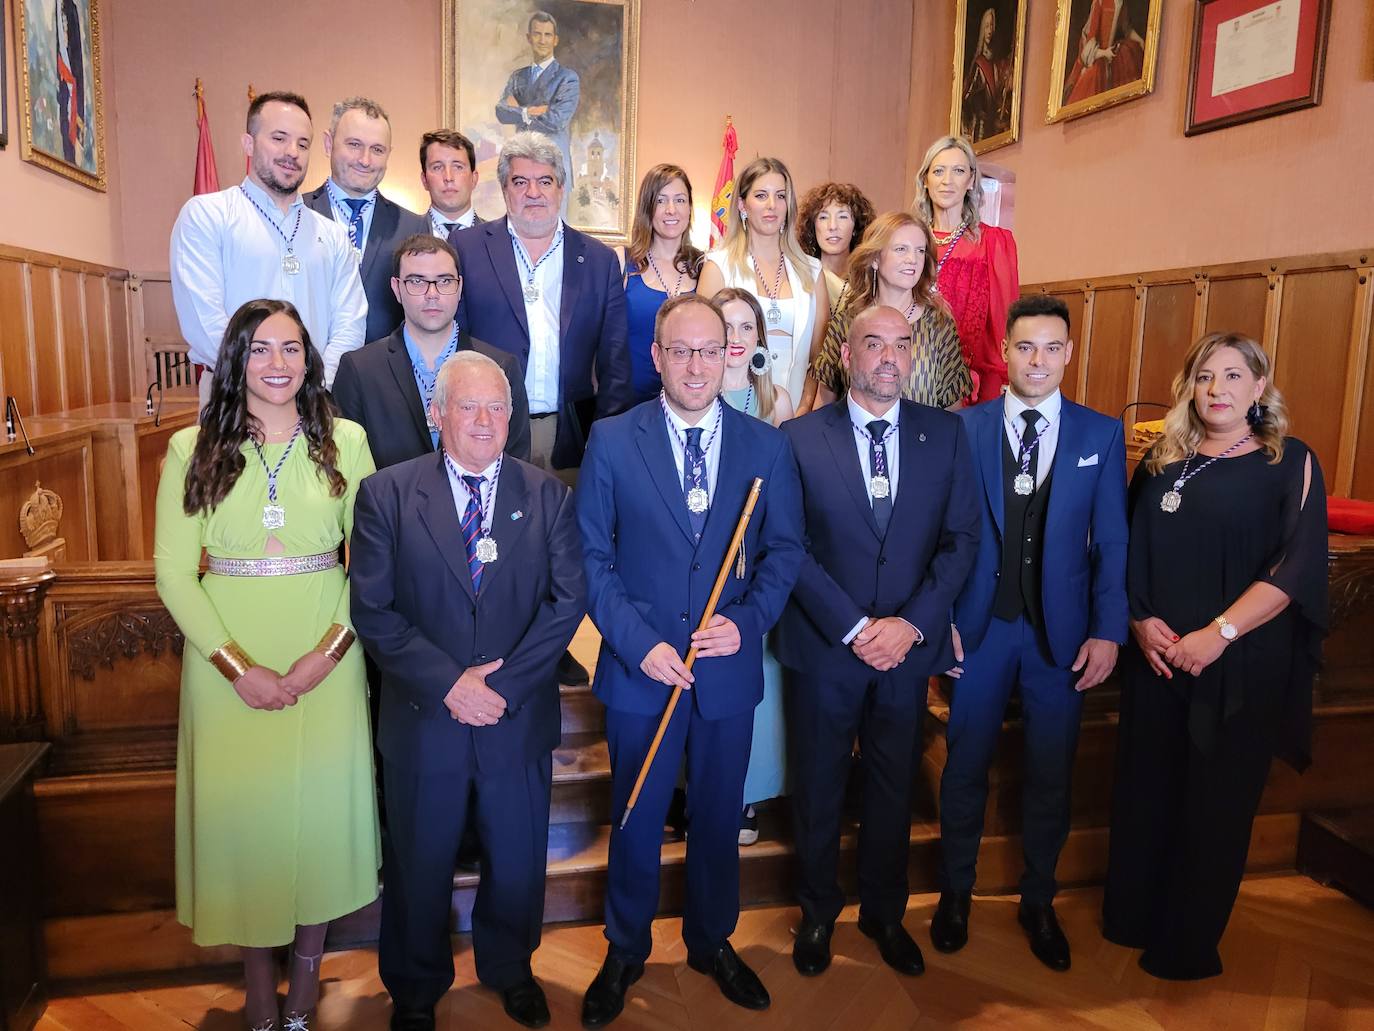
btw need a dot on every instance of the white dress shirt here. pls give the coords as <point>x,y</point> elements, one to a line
<point>1013,426</point>
<point>224,253</point>
<point>461,494</point>
<point>541,372</point>
<point>710,442</point>
<point>437,221</point>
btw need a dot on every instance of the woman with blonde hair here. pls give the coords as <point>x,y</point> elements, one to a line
<point>1227,584</point>
<point>895,266</point>
<point>760,253</point>
<point>976,269</point>
<point>659,262</point>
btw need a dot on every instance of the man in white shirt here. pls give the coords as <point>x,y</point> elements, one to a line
<point>358,145</point>
<point>259,240</point>
<point>448,172</point>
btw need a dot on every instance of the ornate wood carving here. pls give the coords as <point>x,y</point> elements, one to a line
<point>21,605</point>
<point>125,632</point>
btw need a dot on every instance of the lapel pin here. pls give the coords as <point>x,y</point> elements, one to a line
<point>922,438</point>
<point>517,514</point>
<point>580,259</point>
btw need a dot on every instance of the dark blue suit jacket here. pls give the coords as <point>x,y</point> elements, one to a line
<point>1083,586</point>
<point>649,579</point>
<point>417,615</point>
<point>594,355</point>
<point>557,87</point>
<point>915,571</point>
<point>391,225</point>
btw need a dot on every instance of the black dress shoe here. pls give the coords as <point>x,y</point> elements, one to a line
<point>737,982</point>
<point>1047,941</point>
<point>525,1003</point>
<point>896,946</point>
<point>811,950</point>
<point>605,996</point>
<point>949,927</point>
<point>412,1020</point>
<point>572,672</point>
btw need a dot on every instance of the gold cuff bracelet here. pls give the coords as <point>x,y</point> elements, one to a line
<point>336,641</point>
<point>231,661</point>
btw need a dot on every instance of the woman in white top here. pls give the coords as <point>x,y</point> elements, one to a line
<point>760,253</point>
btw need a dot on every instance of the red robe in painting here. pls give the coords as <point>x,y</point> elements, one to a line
<point>1108,25</point>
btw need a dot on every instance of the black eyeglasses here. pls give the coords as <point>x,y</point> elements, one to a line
<point>678,355</point>
<point>418,286</point>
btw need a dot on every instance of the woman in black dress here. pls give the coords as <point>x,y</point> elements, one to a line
<point>1227,582</point>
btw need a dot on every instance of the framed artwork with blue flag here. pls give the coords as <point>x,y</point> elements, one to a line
<point>566,68</point>
<point>61,104</point>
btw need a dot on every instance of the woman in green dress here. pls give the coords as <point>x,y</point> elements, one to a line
<point>895,266</point>
<point>276,816</point>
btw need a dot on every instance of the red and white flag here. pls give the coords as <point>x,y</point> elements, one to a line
<point>725,183</point>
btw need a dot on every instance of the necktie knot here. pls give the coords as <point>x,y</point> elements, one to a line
<point>356,205</point>
<point>694,437</point>
<point>450,227</point>
<point>474,485</point>
<point>877,429</point>
<point>1031,416</point>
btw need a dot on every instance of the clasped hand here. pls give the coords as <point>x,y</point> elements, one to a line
<point>662,662</point>
<point>262,687</point>
<point>883,643</point>
<point>471,701</point>
<point>1191,653</point>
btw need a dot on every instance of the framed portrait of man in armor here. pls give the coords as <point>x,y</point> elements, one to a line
<point>989,47</point>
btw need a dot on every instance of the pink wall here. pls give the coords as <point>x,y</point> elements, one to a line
<point>1124,190</point>
<point>828,110</point>
<point>40,209</point>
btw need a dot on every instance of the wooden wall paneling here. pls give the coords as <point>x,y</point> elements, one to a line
<point>126,346</point>
<point>1109,358</point>
<point>16,371</point>
<point>1137,347</point>
<point>1315,312</point>
<point>1075,301</point>
<point>1202,291</point>
<point>1362,479</point>
<point>99,343</point>
<point>75,345</point>
<point>1357,398</point>
<point>1167,333</point>
<point>45,347</point>
<point>1236,304</point>
<point>62,463</point>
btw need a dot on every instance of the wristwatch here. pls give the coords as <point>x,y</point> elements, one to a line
<point>1228,630</point>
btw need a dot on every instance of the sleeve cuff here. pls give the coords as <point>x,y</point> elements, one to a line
<point>849,637</point>
<point>920,637</point>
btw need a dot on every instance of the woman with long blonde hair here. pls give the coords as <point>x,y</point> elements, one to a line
<point>1227,584</point>
<point>976,264</point>
<point>895,266</point>
<point>760,253</point>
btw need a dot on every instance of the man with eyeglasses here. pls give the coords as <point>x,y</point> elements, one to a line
<point>387,385</point>
<point>660,493</point>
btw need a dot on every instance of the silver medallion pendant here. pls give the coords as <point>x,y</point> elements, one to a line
<point>531,293</point>
<point>879,486</point>
<point>1171,500</point>
<point>486,550</point>
<point>774,315</point>
<point>273,517</point>
<point>291,265</point>
<point>1023,484</point>
<point>697,501</point>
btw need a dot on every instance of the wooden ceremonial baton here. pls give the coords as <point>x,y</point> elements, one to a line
<point>706,616</point>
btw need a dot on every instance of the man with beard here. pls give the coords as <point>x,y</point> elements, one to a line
<point>659,498</point>
<point>891,512</point>
<point>358,144</point>
<point>259,240</point>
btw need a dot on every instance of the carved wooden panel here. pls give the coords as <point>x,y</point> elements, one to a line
<point>64,466</point>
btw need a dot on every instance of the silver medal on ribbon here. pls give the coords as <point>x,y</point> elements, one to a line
<point>1171,500</point>
<point>774,315</point>
<point>486,550</point>
<point>1023,484</point>
<point>879,486</point>
<point>291,265</point>
<point>697,500</point>
<point>531,293</point>
<point>273,517</point>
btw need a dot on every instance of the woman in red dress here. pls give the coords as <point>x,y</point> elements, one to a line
<point>977,274</point>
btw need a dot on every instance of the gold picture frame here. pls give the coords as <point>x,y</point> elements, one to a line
<point>61,99</point>
<point>985,105</point>
<point>1073,87</point>
<point>600,41</point>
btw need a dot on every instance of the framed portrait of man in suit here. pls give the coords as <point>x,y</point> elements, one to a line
<point>61,104</point>
<point>566,68</point>
<point>989,45</point>
<point>1105,53</point>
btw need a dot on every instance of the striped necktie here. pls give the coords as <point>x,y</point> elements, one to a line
<point>355,221</point>
<point>472,527</point>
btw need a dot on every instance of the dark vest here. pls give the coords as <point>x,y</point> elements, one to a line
<point>1023,545</point>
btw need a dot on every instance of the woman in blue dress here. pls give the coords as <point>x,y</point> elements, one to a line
<point>659,262</point>
<point>748,386</point>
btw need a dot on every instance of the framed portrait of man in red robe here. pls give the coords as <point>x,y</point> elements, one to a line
<point>1105,52</point>
<point>989,44</point>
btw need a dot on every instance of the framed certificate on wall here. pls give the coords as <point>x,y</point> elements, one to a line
<point>1255,58</point>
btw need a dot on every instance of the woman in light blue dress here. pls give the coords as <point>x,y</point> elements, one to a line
<point>748,386</point>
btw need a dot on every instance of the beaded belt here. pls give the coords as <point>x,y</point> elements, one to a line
<point>276,565</point>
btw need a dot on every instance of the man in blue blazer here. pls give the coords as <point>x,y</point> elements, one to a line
<point>552,297</point>
<point>358,145</point>
<point>467,586</point>
<point>892,526</point>
<point>658,501</point>
<point>543,95</point>
<point>1043,612</point>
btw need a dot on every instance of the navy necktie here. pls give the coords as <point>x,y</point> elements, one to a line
<point>877,465</point>
<point>355,222</point>
<point>472,527</point>
<point>694,476</point>
<point>1028,441</point>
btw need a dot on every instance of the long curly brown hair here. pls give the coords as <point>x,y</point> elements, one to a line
<point>832,193</point>
<point>226,424</point>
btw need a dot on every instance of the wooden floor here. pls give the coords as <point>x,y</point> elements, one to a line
<point>1297,955</point>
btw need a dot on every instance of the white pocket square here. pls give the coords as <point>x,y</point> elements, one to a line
<point>1085,462</point>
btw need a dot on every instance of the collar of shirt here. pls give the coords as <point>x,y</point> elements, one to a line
<point>711,430</point>
<point>1013,406</point>
<point>539,69</point>
<point>337,196</point>
<point>418,361</point>
<point>519,245</point>
<point>437,221</point>
<point>1013,426</point>
<point>859,418</point>
<point>268,201</point>
<point>461,494</point>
